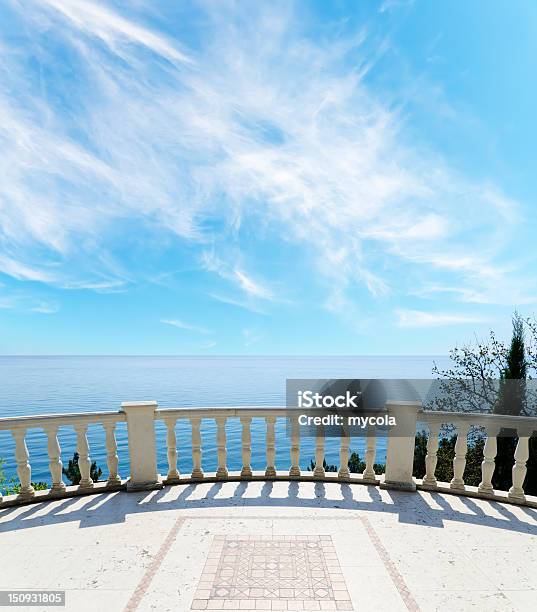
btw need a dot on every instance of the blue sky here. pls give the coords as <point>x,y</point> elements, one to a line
<point>265,178</point>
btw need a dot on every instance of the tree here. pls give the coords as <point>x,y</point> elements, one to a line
<point>471,384</point>
<point>531,345</point>
<point>493,377</point>
<point>511,401</point>
<point>445,455</point>
<point>513,376</point>
<point>72,472</point>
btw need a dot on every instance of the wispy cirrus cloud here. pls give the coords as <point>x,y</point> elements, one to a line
<point>209,344</point>
<point>231,272</point>
<point>256,125</point>
<point>27,303</point>
<point>246,305</point>
<point>186,326</point>
<point>46,308</point>
<point>251,336</point>
<point>96,20</point>
<point>418,318</point>
<point>251,287</point>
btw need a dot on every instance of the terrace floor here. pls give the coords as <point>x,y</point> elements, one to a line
<point>273,546</point>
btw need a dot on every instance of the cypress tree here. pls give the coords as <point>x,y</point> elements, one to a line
<point>511,401</point>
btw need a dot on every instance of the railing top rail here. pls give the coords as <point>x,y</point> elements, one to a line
<point>185,412</point>
<point>474,418</point>
<point>68,418</point>
<point>227,411</point>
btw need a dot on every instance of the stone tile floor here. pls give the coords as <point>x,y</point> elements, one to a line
<point>272,572</point>
<point>175,549</point>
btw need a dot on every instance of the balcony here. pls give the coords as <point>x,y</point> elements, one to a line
<point>272,540</point>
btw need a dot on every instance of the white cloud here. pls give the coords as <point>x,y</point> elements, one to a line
<point>389,5</point>
<point>208,345</point>
<point>251,336</point>
<point>239,303</point>
<point>96,20</point>
<point>259,126</point>
<point>185,326</point>
<point>22,301</point>
<point>252,288</point>
<point>99,286</point>
<point>45,308</point>
<point>22,271</point>
<point>419,318</point>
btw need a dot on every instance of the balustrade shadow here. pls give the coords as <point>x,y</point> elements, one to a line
<point>109,508</point>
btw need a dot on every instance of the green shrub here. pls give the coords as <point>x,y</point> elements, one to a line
<point>72,471</point>
<point>10,486</point>
<point>356,465</point>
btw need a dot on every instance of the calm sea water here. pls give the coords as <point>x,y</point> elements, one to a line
<point>40,385</point>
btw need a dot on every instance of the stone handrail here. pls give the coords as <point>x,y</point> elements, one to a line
<point>18,427</point>
<point>246,414</point>
<point>492,424</point>
<point>141,416</point>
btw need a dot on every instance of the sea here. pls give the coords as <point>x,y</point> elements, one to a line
<point>34,385</point>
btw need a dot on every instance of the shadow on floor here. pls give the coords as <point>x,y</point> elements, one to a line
<point>425,509</point>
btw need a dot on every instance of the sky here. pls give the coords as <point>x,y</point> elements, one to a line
<point>308,178</point>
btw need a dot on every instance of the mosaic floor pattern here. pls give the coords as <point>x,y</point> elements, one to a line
<point>272,573</point>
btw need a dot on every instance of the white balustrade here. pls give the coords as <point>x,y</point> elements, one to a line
<point>318,472</point>
<point>370,451</point>
<point>270,470</point>
<point>487,465</point>
<point>140,418</point>
<point>431,458</point>
<point>197,472</point>
<point>171,444</point>
<point>221,451</point>
<point>459,461</point>
<point>246,471</point>
<point>344,472</point>
<point>24,470</point>
<point>79,422</point>
<point>55,462</point>
<point>294,470</point>
<point>84,461</point>
<point>516,492</point>
<point>401,443</point>
<point>112,459</point>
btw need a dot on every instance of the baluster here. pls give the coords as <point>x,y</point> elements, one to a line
<point>112,460</point>
<point>459,461</point>
<point>171,443</point>
<point>197,472</point>
<point>431,458</point>
<point>370,450</point>
<point>221,447</point>
<point>295,448</point>
<point>55,464</point>
<point>516,492</point>
<point>246,471</point>
<point>344,473</point>
<point>318,472</point>
<point>84,461</point>
<point>24,469</point>
<point>270,472</point>
<point>488,465</point>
